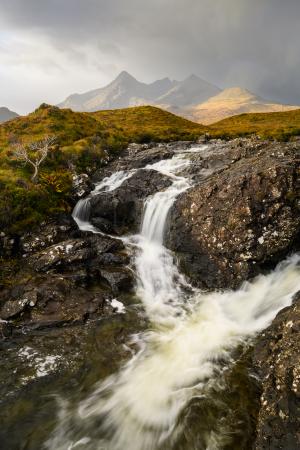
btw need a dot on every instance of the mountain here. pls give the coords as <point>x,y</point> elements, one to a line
<point>192,90</point>
<point>230,102</point>
<point>126,91</point>
<point>7,114</point>
<point>192,98</point>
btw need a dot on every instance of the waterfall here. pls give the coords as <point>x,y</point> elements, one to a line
<point>190,343</point>
<point>82,210</point>
<point>159,282</point>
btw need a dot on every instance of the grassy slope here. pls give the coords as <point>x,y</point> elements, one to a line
<point>275,125</point>
<point>83,142</point>
<point>85,139</point>
<point>146,123</point>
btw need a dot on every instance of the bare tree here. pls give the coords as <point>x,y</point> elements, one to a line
<point>34,153</point>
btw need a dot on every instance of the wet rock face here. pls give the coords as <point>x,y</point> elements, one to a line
<point>66,360</point>
<point>68,282</point>
<point>137,156</point>
<point>52,301</point>
<point>82,185</point>
<point>241,219</point>
<point>122,208</point>
<point>277,363</point>
<point>47,234</point>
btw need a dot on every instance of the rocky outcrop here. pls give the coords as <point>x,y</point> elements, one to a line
<point>82,185</point>
<point>138,156</point>
<point>243,215</point>
<point>51,301</point>
<point>277,363</point>
<point>123,206</point>
<point>65,360</point>
<point>67,282</point>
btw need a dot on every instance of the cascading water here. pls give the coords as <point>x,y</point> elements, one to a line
<point>158,281</point>
<point>184,356</point>
<point>82,210</point>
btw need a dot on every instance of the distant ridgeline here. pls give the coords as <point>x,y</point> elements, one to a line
<point>192,98</point>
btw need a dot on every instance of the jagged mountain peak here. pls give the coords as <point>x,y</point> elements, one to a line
<point>124,76</point>
<point>193,77</point>
<point>125,90</point>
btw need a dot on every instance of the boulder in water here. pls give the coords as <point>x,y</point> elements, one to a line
<point>241,220</point>
<point>123,206</point>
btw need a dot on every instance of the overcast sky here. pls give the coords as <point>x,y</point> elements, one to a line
<point>52,48</point>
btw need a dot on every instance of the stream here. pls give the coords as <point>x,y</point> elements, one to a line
<point>173,393</point>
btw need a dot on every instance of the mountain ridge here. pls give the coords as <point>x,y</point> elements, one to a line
<point>125,91</point>
<point>193,98</point>
<point>231,102</point>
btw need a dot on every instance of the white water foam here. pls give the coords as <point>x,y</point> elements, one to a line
<point>159,283</point>
<point>82,211</point>
<point>192,338</point>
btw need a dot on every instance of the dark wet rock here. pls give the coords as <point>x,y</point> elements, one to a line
<point>62,304</point>
<point>123,206</point>
<point>18,300</point>
<point>138,156</point>
<point>82,185</point>
<point>111,259</point>
<point>64,284</point>
<point>51,301</point>
<point>72,252</point>
<point>67,361</point>
<point>5,330</point>
<point>119,280</point>
<point>102,224</point>
<point>277,363</point>
<point>48,234</point>
<point>62,254</point>
<point>8,245</point>
<point>240,220</point>
<point>12,308</point>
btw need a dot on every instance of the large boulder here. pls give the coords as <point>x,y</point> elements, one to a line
<point>123,206</point>
<point>67,282</point>
<point>74,253</point>
<point>276,358</point>
<point>242,219</point>
<point>51,301</point>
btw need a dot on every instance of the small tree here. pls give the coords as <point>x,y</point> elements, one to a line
<point>34,153</point>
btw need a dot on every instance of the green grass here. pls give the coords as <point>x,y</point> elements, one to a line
<point>281,126</point>
<point>83,142</point>
<point>148,123</point>
<point>85,139</point>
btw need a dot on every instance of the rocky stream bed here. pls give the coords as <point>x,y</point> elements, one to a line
<point>70,312</point>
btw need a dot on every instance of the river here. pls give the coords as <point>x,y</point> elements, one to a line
<point>183,360</point>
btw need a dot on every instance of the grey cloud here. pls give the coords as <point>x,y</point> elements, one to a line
<point>253,43</point>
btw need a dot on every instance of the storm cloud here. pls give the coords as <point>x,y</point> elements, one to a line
<point>52,48</point>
